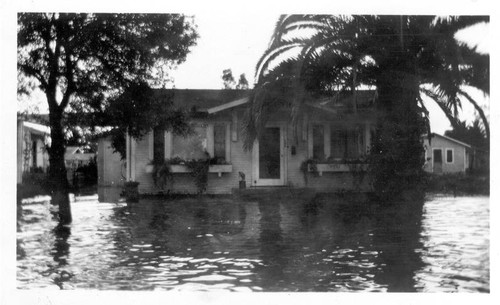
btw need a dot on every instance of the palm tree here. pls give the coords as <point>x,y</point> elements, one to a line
<point>324,55</point>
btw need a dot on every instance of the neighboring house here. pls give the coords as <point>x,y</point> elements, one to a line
<point>75,157</point>
<point>330,131</point>
<point>110,167</point>
<point>32,155</point>
<point>446,155</point>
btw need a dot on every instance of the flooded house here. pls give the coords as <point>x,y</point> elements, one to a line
<point>325,151</point>
<point>445,155</point>
<point>32,155</point>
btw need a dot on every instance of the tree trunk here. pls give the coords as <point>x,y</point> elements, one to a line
<point>57,170</point>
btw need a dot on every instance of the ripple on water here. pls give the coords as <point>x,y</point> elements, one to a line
<point>214,245</point>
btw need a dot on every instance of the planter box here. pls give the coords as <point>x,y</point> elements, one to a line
<point>337,167</point>
<point>218,169</point>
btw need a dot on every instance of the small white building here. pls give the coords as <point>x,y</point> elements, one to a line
<point>32,155</point>
<point>111,169</point>
<point>446,155</point>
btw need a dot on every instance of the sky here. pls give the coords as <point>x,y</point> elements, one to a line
<point>236,42</point>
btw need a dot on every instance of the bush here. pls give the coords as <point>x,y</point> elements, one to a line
<point>34,184</point>
<point>89,172</point>
<point>458,184</point>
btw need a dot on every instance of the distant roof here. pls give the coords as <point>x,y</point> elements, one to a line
<point>202,99</point>
<point>450,139</point>
<point>36,128</point>
<point>73,150</point>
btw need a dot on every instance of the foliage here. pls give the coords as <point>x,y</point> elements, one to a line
<point>161,173</point>
<point>81,60</point>
<point>199,171</point>
<point>306,165</point>
<point>242,82</point>
<point>473,134</point>
<point>140,109</point>
<point>89,172</point>
<point>322,56</point>
<point>458,184</point>
<point>228,79</point>
<point>230,83</point>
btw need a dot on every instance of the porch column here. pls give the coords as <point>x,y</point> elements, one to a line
<point>128,157</point>
<point>326,140</point>
<point>151,145</point>
<point>210,139</point>
<point>20,160</point>
<point>168,145</point>
<point>234,126</point>
<point>367,137</point>
<point>133,145</point>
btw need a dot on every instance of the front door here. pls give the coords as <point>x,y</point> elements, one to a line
<point>437,159</point>
<point>268,157</point>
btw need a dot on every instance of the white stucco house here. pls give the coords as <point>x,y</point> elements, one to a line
<point>446,155</point>
<point>32,155</point>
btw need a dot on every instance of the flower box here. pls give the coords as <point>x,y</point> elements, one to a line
<point>217,168</point>
<point>338,167</point>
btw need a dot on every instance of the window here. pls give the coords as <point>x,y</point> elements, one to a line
<point>207,140</point>
<point>158,145</point>
<point>318,142</point>
<point>192,146</point>
<point>346,142</point>
<point>449,155</point>
<point>220,141</point>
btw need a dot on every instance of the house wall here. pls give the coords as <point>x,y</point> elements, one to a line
<point>25,158</point>
<point>459,155</point>
<point>242,162</point>
<point>110,167</point>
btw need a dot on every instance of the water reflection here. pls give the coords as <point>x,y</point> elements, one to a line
<point>398,239</point>
<point>60,252</point>
<point>271,274</point>
<point>280,244</point>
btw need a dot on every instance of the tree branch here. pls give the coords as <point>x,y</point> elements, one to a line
<point>29,70</point>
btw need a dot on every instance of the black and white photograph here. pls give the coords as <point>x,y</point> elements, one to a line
<point>220,153</point>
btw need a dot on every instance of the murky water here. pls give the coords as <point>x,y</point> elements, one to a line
<point>214,244</point>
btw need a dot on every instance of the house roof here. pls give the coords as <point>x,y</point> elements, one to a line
<point>202,99</point>
<point>73,150</point>
<point>36,128</point>
<point>76,153</point>
<point>364,98</point>
<point>450,139</point>
<point>332,104</point>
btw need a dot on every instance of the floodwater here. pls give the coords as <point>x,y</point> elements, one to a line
<point>213,244</point>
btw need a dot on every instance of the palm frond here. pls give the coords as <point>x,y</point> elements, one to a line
<point>480,111</point>
<point>443,104</point>
<point>271,55</point>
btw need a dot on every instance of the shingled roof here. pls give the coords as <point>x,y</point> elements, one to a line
<point>202,99</point>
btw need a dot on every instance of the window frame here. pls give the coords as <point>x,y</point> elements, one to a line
<point>168,144</point>
<point>365,129</point>
<point>452,155</point>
